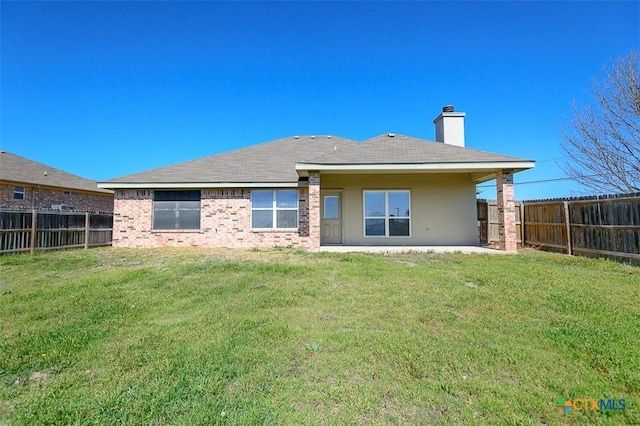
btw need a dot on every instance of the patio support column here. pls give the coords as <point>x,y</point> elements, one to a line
<point>314,210</point>
<point>508,238</point>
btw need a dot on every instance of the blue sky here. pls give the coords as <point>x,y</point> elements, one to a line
<point>105,89</point>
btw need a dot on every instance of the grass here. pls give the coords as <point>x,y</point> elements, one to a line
<point>241,337</point>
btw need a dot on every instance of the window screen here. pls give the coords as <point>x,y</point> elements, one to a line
<point>176,210</point>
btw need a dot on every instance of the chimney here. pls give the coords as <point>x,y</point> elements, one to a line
<point>450,126</point>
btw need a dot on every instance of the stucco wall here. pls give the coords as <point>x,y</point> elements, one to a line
<point>225,221</point>
<point>443,207</point>
<point>44,198</point>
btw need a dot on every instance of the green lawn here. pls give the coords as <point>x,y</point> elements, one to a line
<point>242,337</point>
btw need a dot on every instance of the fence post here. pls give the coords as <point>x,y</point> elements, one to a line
<point>87,221</point>
<point>567,224</point>
<point>34,224</point>
<point>479,216</point>
<point>522,223</point>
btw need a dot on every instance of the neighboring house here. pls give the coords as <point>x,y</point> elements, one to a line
<point>307,191</point>
<point>27,184</point>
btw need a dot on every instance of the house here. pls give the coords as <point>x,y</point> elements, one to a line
<point>307,191</point>
<point>27,184</point>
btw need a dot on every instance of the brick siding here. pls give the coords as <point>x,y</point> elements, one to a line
<point>507,231</point>
<point>44,198</point>
<point>225,221</point>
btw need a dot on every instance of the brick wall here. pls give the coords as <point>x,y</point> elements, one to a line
<point>225,221</point>
<point>314,209</point>
<point>507,232</point>
<point>44,198</point>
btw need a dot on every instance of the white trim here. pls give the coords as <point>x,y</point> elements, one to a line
<point>449,114</point>
<point>22,193</point>
<point>436,167</point>
<point>386,217</point>
<point>450,167</point>
<point>200,185</point>
<point>274,209</point>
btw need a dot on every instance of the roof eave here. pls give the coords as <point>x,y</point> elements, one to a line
<point>199,185</point>
<point>461,167</point>
<point>96,190</point>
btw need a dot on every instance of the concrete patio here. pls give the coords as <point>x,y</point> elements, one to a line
<point>405,249</point>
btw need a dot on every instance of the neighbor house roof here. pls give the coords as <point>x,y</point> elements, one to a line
<point>284,160</point>
<point>21,170</point>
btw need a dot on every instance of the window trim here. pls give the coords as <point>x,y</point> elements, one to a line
<point>21,191</point>
<point>153,213</point>
<point>274,209</point>
<point>386,213</point>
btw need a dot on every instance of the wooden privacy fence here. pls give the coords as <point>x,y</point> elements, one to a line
<point>22,231</point>
<point>599,226</point>
<point>488,222</point>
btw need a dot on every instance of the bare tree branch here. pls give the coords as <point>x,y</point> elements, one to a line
<point>602,140</point>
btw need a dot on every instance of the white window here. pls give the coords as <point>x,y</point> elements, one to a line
<point>18,192</point>
<point>387,214</point>
<point>277,208</point>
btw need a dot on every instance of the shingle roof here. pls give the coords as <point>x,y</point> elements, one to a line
<point>399,149</point>
<point>275,161</point>
<point>268,162</point>
<point>15,168</point>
